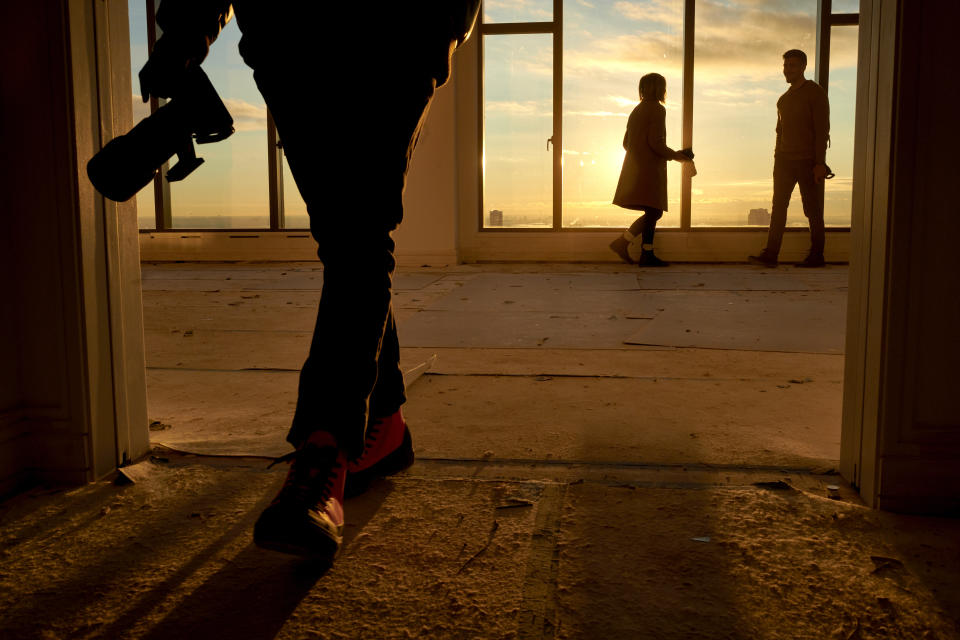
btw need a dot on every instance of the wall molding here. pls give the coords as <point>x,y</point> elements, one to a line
<point>512,246</point>
<point>258,246</point>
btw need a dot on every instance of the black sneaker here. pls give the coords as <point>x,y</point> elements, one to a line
<point>619,247</point>
<point>812,261</point>
<point>763,260</point>
<point>306,517</point>
<point>649,259</point>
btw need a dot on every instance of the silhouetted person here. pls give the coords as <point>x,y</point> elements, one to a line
<point>803,129</point>
<point>348,109</point>
<point>643,177</point>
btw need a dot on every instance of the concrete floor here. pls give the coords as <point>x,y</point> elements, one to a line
<point>602,453</point>
<point>584,363</point>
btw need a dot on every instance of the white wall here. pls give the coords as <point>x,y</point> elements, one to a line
<point>428,234</point>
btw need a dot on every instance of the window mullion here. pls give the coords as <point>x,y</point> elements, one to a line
<point>557,114</point>
<point>822,73</point>
<point>161,188</point>
<point>686,136</point>
<point>275,175</point>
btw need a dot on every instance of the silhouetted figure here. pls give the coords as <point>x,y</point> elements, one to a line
<point>348,109</point>
<point>643,177</point>
<point>803,129</point>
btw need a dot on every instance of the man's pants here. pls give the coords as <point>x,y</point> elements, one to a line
<point>350,170</point>
<point>786,174</point>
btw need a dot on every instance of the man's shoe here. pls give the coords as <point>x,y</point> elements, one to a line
<point>306,517</point>
<point>620,246</point>
<point>763,260</point>
<point>388,449</point>
<point>812,261</point>
<point>649,259</point>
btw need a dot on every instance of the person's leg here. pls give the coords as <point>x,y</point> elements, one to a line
<point>388,393</point>
<point>351,175</point>
<point>388,446</point>
<point>784,179</point>
<point>354,203</point>
<point>811,195</point>
<point>649,224</point>
<point>647,257</point>
<point>636,229</point>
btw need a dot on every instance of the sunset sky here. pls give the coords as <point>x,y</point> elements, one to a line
<point>608,45</point>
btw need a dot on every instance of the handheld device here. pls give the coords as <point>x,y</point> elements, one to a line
<point>129,162</point>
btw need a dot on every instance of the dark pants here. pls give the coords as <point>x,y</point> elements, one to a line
<point>646,225</point>
<point>350,170</point>
<point>788,173</point>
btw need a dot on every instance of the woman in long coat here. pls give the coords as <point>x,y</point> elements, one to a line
<point>643,178</point>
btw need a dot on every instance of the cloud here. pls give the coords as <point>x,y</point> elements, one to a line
<point>666,12</point>
<point>735,42</point>
<point>748,39</point>
<point>517,11</point>
<point>141,109</point>
<point>734,93</point>
<point>597,114</point>
<point>737,97</point>
<point>626,55</point>
<point>498,160</point>
<point>840,183</point>
<point>527,108</point>
<point>246,116</point>
<point>622,101</point>
<point>843,48</point>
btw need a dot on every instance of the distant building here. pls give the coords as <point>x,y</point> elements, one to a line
<point>496,218</point>
<point>758,217</point>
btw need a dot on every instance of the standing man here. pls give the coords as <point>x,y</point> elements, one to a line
<point>348,85</point>
<point>803,129</point>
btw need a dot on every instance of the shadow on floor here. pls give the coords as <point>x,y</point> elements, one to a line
<point>258,591</point>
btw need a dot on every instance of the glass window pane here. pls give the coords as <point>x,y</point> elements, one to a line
<point>294,208</point>
<point>231,189</point>
<point>607,48</point>
<point>738,79</point>
<point>838,193</point>
<point>137,11</point>
<point>517,123</point>
<point>845,6</point>
<point>514,11</point>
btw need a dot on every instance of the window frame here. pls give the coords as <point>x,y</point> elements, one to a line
<point>826,19</point>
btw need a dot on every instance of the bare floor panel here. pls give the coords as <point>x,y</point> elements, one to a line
<point>531,362</point>
<point>639,418</point>
<point>765,321</point>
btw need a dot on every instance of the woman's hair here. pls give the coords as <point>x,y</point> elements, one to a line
<point>653,85</point>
